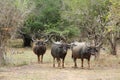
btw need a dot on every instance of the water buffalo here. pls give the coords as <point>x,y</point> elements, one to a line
<point>58,52</point>
<point>39,48</point>
<point>82,50</point>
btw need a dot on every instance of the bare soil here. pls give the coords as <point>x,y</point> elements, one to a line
<point>104,69</point>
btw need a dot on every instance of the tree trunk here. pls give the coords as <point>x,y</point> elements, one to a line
<point>26,40</point>
<point>1,56</point>
<point>113,48</point>
<point>113,44</point>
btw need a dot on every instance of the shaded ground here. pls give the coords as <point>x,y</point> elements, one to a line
<point>45,72</point>
<point>107,68</point>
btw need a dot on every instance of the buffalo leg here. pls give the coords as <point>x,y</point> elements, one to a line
<point>53,62</point>
<point>58,60</point>
<point>82,62</point>
<point>41,58</point>
<point>75,64</point>
<point>63,62</point>
<point>89,63</point>
<point>38,58</point>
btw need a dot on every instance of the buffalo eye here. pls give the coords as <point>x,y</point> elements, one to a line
<point>96,50</point>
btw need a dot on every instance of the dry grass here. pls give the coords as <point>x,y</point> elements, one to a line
<point>16,43</point>
<point>26,67</point>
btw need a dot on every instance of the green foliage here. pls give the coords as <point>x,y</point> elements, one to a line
<point>72,32</point>
<point>68,17</point>
<point>47,18</point>
<point>45,13</point>
<point>88,15</point>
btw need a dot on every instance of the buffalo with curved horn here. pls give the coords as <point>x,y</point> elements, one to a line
<point>82,50</point>
<point>59,51</point>
<point>39,48</point>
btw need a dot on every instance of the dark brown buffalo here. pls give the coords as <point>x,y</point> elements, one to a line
<point>39,49</point>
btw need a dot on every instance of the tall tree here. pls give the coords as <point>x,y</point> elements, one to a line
<point>90,17</point>
<point>114,25</point>
<point>12,16</point>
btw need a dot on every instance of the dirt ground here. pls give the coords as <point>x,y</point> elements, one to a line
<point>104,69</point>
<point>45,72</point>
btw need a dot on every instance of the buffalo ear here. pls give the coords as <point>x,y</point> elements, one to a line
<point>96,50</point>
<point>89,49</point>
<point>44,44</point>
<point>92,49</point>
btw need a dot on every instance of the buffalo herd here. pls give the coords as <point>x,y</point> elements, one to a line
<point>80,50</point>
